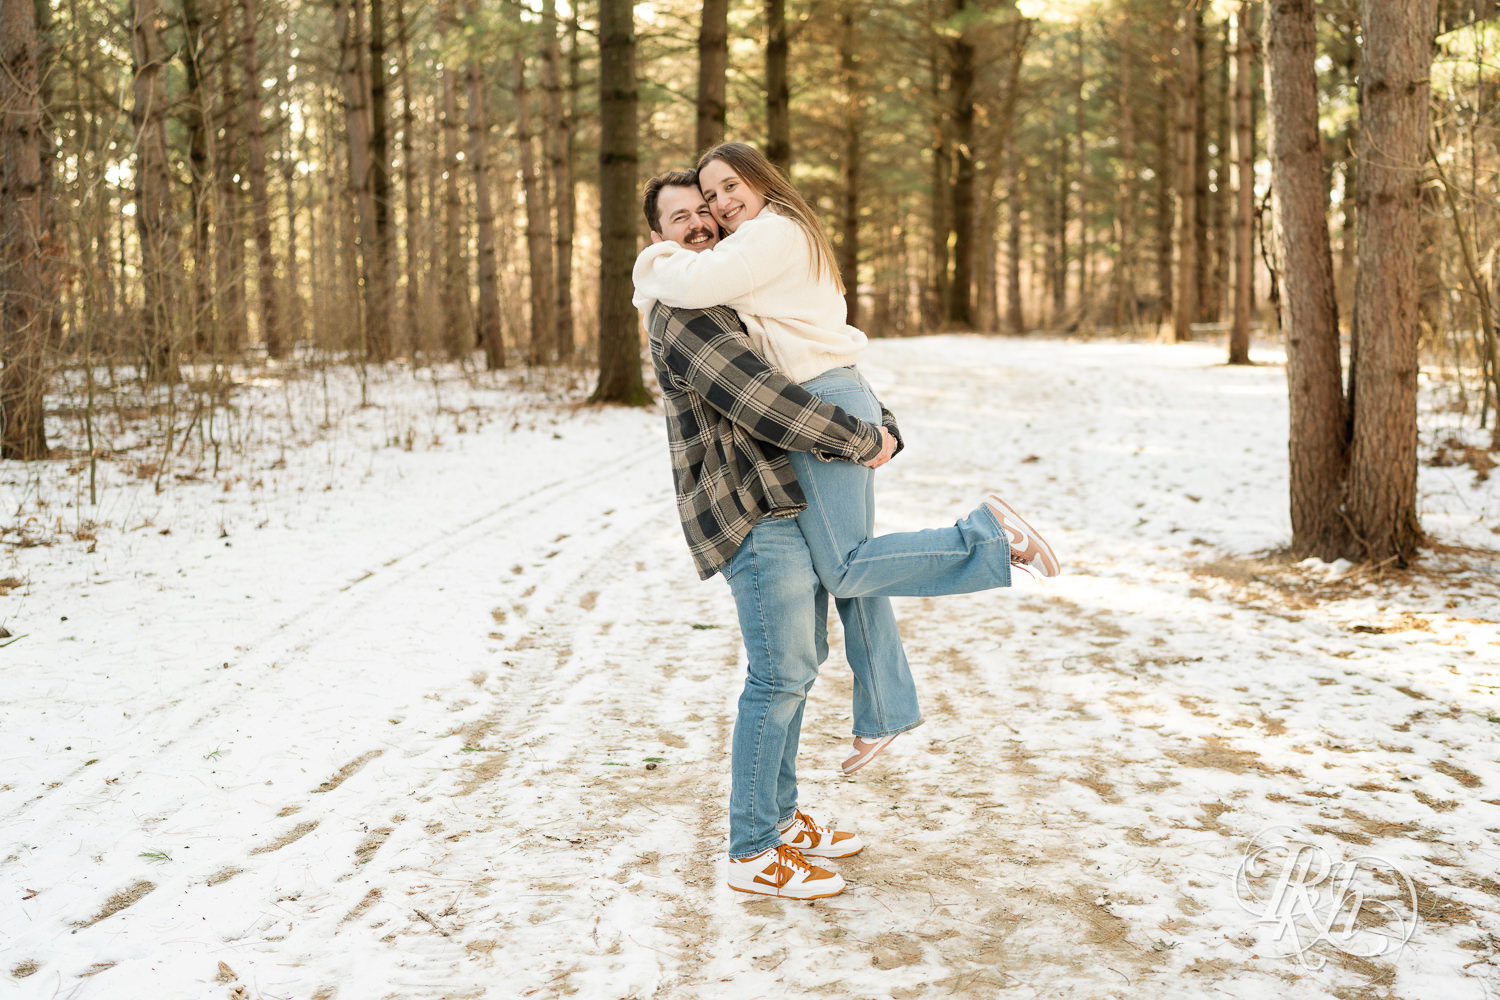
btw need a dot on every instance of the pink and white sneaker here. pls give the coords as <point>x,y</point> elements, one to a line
<point>1028,549</point>
<point>816,841</point>
<point>865,751</point>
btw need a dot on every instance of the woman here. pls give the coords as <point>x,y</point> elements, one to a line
<point>777,270</point>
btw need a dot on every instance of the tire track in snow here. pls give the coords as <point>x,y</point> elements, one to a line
<point>503,529</point>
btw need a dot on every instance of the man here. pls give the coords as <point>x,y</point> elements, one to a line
<point>731,418</point>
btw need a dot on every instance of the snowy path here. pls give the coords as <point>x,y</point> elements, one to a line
<point>456,725</point>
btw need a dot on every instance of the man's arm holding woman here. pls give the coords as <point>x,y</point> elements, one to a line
<point>708,352</point>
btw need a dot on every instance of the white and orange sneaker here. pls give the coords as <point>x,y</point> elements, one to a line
<point>782,871</point>
<point>816,841</point>
<point>1028,549</point>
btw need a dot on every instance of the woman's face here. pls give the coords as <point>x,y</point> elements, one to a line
<point>733,201</point>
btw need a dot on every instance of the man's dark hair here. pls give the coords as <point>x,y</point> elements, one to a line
<point>672,178</point>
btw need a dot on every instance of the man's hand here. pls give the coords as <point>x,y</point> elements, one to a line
<point>887,449</point>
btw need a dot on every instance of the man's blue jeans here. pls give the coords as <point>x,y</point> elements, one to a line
<point>971,555</point>
<point>783,614</point>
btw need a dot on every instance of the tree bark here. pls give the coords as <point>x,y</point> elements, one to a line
<point>374,272</point>
<point>232,330</point>
<point>959,311</point>
<point>941,205</point>
<point>200,175</point>
<point>713,67</point>
<point>1318,446</point>
<point>293,286</point>
<point>491,335</point>
<point>1015,316</point>
<point>849,79</point>
<point>414,322</point>
<point>155,215</point>
<point>1204,221</point>
<point>1244,153</point>
<point>560,159</point>
<point>539,245</point>
<point>1165,185</point>
<point>1080,135</point>
<point>1124,283</point>
<point>1061,182</point>
<point>1186,306</point>
<point>27,279</point>
<point>457,335</point>
<point>619,327</point>
<point>1222,198</point>
<point>260,199</point>
<point>1394,119</point>
<point>380,169</point>
<point>778,91</point>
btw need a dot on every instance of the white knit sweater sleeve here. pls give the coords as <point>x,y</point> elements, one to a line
<point>729,274</point>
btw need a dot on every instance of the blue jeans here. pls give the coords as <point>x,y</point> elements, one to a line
<point>970,556</point>
<point>783,614</point>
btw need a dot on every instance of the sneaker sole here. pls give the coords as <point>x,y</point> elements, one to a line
<point>783,895</point>
<point>815,853</point>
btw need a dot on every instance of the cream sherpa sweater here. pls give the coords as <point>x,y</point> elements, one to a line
<point>765,272</point>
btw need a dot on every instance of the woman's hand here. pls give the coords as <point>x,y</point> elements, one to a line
<point>887,449</point>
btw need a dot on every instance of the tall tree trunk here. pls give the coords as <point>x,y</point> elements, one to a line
<point>849,82</point>
<point>1124,278</point>
<point>1318,448</point>
<point>374,269</point>
<point>260,199</point>
<point>987,258</point>
<point>1080,135</point>
<point>619,327</point>
<point>1062,206</point>
<point>959,311</point>
<point>457,334</point>
<point>559,147</point>
<point>1187,178</point>
<point>1394,118</point>
<point>1166,158</point>
<point>778,91</point>
<point>27,277</point>
<point>490,332</point>
<point>155,215</point>
<point>1015,316</point>
<point>293,287</point>
<point>1222,198</point>
<point>1244,153</point>
<point>414,321</point>
<point>1203,221</point>
<point>938,275</point>
<point>380,168</point>
<point>200,175</point>
<point>539,246</point>
<point>232,331</point>
<point>713,67</point>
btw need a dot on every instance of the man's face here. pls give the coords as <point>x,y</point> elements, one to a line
<point>685,218</point>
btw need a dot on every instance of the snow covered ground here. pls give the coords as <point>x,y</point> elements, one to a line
<point>424,700</point>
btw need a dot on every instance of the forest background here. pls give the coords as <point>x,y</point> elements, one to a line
<point>199,192</point>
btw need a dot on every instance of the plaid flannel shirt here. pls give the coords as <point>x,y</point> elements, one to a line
<point>731,418</point>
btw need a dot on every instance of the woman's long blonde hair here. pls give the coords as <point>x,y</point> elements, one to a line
<point>772,185</point>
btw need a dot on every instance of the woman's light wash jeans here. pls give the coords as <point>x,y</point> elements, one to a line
<point>971,555</point>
